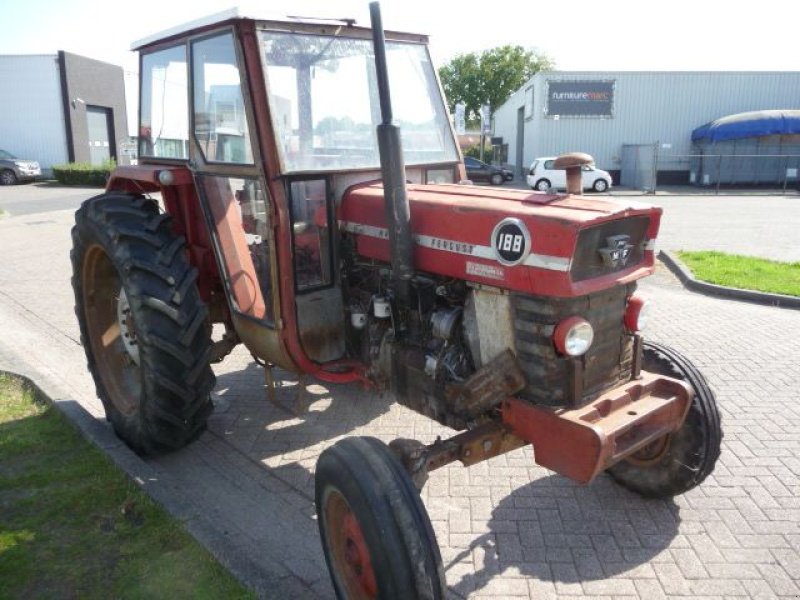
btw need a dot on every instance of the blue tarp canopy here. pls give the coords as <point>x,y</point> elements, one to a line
<point>749,124</point>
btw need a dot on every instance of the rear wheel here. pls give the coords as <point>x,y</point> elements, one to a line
<point>7,177</point>
<point>679,461</point>
<point>543,185</point>
<point>143,326</point>
<point>497,179</point>
<point>376,535</point>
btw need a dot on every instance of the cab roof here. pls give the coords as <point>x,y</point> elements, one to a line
<point>304,24</point>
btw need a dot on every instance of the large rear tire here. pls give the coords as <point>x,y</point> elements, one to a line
<point>143,325</point>
<point>376,535</point>
<point>682,460</point>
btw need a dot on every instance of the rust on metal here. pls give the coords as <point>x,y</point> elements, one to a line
<point>487,387</point>
<point>476,445</point>
<point>580,443</point>
<point>573,163</point>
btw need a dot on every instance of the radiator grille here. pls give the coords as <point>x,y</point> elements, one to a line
<point>588,261</point>
<point>608,362</point>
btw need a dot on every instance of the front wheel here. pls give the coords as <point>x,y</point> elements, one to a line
<point>143,325</point>
<point>675,463</point>
<point>376,536</point>
<point>7,177</point>
<point>497,179</point>
<point>601,185</point>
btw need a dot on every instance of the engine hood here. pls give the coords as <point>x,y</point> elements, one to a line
<point>539,243</point>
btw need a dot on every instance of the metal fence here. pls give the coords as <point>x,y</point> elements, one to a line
<point>645,168</point>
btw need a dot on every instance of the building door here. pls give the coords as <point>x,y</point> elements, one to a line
<point>521,142</point>
<point>101,134</point>
<point>639,166</point>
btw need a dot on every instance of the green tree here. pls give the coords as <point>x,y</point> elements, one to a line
<point>489,77</point>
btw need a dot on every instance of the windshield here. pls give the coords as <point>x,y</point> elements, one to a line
<point>324,100</point>
<point>4,154</point>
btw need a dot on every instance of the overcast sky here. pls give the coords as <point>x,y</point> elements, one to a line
<point>579,35</point>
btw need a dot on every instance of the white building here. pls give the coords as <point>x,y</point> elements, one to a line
<point>600,112</point>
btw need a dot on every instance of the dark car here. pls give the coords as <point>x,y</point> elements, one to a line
<point>479,171</point>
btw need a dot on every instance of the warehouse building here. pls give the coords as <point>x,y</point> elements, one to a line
<point>637,125</point>
<point>59,108</point>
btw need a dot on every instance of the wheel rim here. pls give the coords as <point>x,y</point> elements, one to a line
<point>652,453</point>
<point>7,177</point>
<point>542,186</point>
<point>351,562</point>
<point>600,186</point>
<point>107,314</point>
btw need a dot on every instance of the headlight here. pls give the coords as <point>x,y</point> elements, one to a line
<point>573,336</point>
<point>636,314</point>
<point>20,164</point>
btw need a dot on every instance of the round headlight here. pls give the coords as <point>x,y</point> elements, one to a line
<point>636,314</point>
<point>573,336</point>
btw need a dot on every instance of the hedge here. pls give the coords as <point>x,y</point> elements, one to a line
<point>84,173</point>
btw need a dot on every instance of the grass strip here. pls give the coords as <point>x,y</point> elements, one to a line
<point>744,272</point>
<point>73,526</point>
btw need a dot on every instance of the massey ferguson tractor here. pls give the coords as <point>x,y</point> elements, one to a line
<point>327,225</point>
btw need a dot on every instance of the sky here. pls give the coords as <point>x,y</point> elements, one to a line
<point>578,35</point>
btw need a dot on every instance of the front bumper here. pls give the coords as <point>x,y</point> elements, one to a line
<point>23,173</point>
<point>582,442</point>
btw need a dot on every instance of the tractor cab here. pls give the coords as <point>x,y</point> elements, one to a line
<point>276,120</point>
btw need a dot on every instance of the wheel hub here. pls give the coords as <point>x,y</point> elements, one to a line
<point>349,551</point>
<point>126,326</point>
<point>651,453</point>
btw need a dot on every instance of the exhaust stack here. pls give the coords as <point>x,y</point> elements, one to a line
<point>393,170</point>
<point>573,163</point>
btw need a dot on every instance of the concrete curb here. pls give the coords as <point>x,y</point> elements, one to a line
<point>683,273</point>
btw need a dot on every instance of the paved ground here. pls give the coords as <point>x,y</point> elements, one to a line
<point>42,197</point>
<point>507,528</point>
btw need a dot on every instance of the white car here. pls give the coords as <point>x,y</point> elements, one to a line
<point>542,176</point>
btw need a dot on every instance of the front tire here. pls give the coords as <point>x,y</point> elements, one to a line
<point>543,185</point>
<point>7,177</point>
<point>682,460</point>
<point>601,185</point>
<point>143,325</point>
<point>376,535</point>
<point>498,179</point>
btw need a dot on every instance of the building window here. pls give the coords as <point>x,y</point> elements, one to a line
<point>529,103</point>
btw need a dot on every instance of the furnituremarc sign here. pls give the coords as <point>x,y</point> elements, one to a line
<point>585,98</point>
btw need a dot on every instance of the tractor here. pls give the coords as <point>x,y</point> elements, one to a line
<point>303,210</point>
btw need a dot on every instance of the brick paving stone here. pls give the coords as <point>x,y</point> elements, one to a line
<point>506,528</point>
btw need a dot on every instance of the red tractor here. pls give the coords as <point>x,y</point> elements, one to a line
<point>328,227</point>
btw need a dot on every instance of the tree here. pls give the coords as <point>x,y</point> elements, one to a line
<point>489,77</point>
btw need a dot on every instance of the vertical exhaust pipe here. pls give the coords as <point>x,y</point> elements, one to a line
<point>573,164</point>
<point>393,171</point>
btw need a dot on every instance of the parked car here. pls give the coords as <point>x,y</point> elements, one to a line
<point>479,171</point>
<point>13,169</point>
<point>542,176</point>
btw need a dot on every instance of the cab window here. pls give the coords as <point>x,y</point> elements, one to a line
<point>220,125</point>
<point>164,112</point>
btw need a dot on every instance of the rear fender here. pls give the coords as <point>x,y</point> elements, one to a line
<point>180,200</point>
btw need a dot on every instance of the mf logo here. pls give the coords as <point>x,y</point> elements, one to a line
<point>617,251</point>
